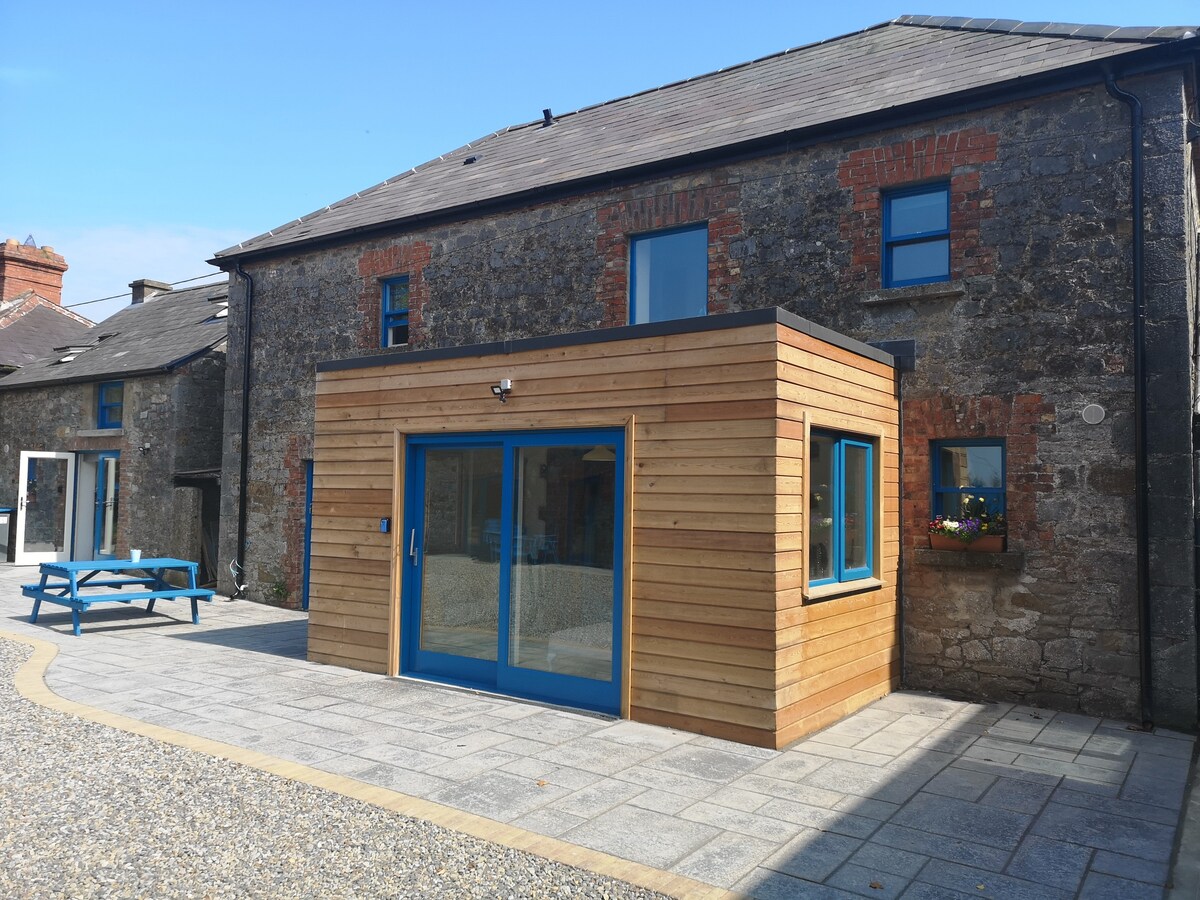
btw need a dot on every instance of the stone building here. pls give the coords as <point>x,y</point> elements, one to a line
<point>1009,208</point>
<point>32,319</point>
<point>114,441</point>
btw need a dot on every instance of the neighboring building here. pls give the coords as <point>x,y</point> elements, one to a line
<point>32,319</point>
<point>114,441</point>
<point>958,189</point>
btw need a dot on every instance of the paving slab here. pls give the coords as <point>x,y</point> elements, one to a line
<point>916,796</point>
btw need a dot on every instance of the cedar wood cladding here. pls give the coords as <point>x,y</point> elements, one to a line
<point>722,640</point>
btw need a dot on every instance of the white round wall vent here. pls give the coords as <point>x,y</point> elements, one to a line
<point>1093,414</point>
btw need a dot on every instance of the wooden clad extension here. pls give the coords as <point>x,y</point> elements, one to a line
<point>724,636</point>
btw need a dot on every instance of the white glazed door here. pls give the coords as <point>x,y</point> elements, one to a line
<point>45,502</point>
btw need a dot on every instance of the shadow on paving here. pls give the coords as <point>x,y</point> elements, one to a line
<point>995,800</point>
<point>99,620</point>
<point>286,639</point>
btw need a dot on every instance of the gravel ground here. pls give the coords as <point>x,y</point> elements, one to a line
<point>90,811</point>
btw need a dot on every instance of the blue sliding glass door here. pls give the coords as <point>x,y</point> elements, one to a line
<point>513,571</point>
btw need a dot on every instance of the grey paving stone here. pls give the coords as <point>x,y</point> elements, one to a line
<point>777,787</point>
<point>920,763</point>
<point>312,701</point>
<point>961,783</point>
<point>725,859</point>
<point>1019,796</point>
<point>738,798</point>
<point>660,779</point>
<point>1005,771</point>
<point>498,795</point>
<point>1099,886</point>
<point>1105,831</point>
<point>1130,867</point>
<point>812,855</point>
<point>989,754</point>
<point>1074,771</point>
<point>764,826</point>
<point>598,797</point>
<point>920,891</point>
<point>767,884</point>
<point>415,784</point>
<point>1118,807</point>
<point>880,810</point>
<point>1054,863</point>
<point>889,860</point>
<point>819,817</point>
<point>468,767</point>
<point>297,751</point>
<point>865,781</point>
<point>888,743</point>
<point>548,821</point>
<point>522,746</point>
<point>638,734</point>
<point>867,882</point>
<point>846,754</point>
<point>642,835</point>
<point>957,818</point>
<point>661,801</point>
<point>549,728</point>
<point>982,883</point>
<point>946,741</point>
<point>703,762</point>
<point>712,743</point>
<point>472,743</point>
<point>537,770</point>
<point>915,703</point>
<point>941,847</point>
<point>401,757</point>
<point>790,766</point>
<point>855,728</point>
<point>594,755</point>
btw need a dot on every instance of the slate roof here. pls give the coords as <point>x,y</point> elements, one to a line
<point>166,330</point>
<point>37,331</point>
<point>907,61</point>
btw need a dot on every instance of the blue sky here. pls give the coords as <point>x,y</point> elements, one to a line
<point>141,137</point>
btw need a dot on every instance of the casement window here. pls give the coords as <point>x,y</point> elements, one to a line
<point>916,235</point>
<point>842,515</point>
<point>968,479</point>
<point>668,275</point>
<point>110,404</point>
<point>395,312</point>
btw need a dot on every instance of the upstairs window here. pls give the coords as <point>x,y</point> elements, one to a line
<point>916,236</point>
<point>668,275</point>
<point>968,479</point>
<point>395,312</point>
<point>110,403</point>
<point>841,522</point>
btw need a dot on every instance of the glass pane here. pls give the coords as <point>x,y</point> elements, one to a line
<point>971,466</point>
<point>109,505</point>
<point>820,508</point>
<point>561,610</point>
<point>670,275</point>
<point>926,261</point>
<point>112,393</point>
<point>918,214</point>
<point>45,506</point>
<point>857,475</point>
<point>460,586</point>
<point>963,505</point>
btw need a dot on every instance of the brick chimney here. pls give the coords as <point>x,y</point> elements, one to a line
<point>143,287</point>
<point>25,267</point>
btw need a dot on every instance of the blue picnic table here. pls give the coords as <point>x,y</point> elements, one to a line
<point>81,583</point>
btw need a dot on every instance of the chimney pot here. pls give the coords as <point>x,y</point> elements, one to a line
<point>27,267</point>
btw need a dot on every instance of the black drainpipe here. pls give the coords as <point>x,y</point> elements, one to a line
<point>238,568</point>
<point>1142,496</point>
<point>905,355</point>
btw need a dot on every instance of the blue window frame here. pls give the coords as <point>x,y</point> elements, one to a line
<point>110,404</point>
<point>916,235</point>
<point>969,478</point>
<point>668,275</point>
<point>395,312</point>
<point>842,520</point>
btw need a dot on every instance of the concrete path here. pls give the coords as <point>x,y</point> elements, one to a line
<point>915,796</point>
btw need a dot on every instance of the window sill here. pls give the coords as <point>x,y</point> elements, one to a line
<point>841,588</point>
<point>938,290</point>
<point>1009,560</point>
<point>99,432</point>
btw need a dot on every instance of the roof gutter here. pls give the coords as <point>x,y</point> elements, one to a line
<point>1141,478</point>
<point>237,567</point>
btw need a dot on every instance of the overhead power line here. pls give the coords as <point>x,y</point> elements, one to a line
<point>130,293</point>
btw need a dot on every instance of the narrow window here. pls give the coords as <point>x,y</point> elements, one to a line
<point>842,521</point>
<point>110,404</point>
<point>395,312</point>
<point>668,275</point>
<point>968,480</point>
<point>916,236</point>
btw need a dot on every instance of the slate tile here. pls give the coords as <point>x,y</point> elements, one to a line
<point>642,835</point>
<point>1099,886</point>
<point>867,882</point>
<point>819,817</point>
<point>1118,807</point>
<point>725,859</point>
<point>961,783</point>
<point>1105,831</point>
<point>812,855</point>
<point>1056,864</point>
<point>767,884</point>
<point>956,818</point>
<point>941,847</point>
<point>1019,796</point>
<point>501,796</point>
<point>982,883</point>
<point>1130,867</point>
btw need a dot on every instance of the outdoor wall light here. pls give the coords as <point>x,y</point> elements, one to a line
<point>144,449</point>
<point>503,389</point>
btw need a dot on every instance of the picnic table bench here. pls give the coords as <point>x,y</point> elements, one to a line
<point>81,583</point>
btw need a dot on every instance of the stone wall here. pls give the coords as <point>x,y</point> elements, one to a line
<point>176,417</point>
<point>1034,325</point>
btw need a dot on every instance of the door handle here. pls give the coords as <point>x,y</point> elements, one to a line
<point>412,545</point>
